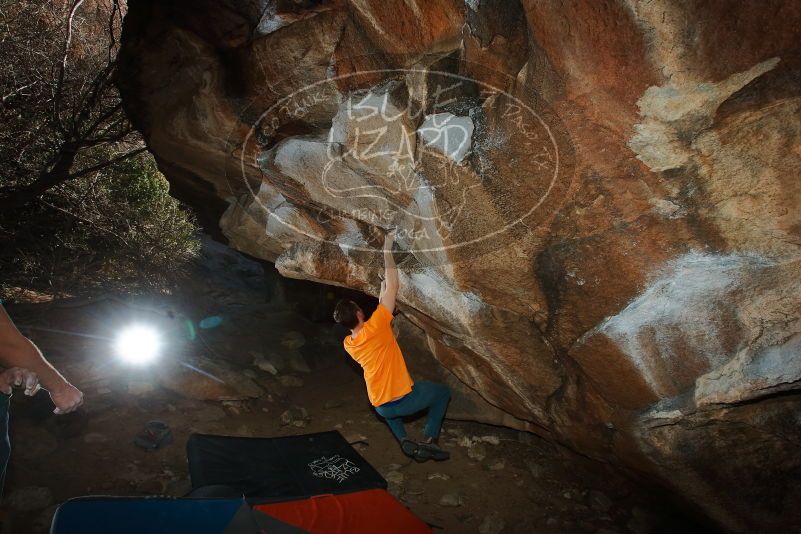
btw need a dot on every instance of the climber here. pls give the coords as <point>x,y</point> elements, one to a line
<point>27,366</point>
<point>389,387</point>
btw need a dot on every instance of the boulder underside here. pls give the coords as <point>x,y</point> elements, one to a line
<point>598,204</point>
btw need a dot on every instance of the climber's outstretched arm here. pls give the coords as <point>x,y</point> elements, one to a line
<point>389,287</point>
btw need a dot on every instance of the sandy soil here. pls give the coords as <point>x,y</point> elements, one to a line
<point>510,482</point>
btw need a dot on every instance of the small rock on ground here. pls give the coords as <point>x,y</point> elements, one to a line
<point>295,415</point>
<point>264,365</point>
<point>235,407</point>
<point>293,340</point>
<point>491,439</point>
<point>451,500</point>
<point>496,465</point>
<point>464,441</point>
<point>477,451</point>
<point>353,438</point>
<point>290,381</point>
<point>492,524</point>
<point>414,487</point>
<point>394,477</point>
<point>297,362</point>
<point>332,403</point>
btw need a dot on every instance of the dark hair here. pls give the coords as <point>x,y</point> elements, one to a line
<point>345,313</point>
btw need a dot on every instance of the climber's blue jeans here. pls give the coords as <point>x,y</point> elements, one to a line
<point>5,443</point>
<point>424,396</point>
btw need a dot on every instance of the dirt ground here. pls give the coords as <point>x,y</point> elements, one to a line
<point>497,481</point>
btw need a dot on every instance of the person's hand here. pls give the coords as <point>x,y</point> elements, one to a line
<point>389,240</point>
<point>67,398</point>
<point>17,377</point>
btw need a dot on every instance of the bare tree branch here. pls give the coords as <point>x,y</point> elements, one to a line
<point>116,13</point>
<point>62,65</point>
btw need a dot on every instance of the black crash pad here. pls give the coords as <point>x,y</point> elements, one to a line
<point>281,468</point>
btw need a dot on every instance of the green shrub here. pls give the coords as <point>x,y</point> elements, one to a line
<point>118,229</point>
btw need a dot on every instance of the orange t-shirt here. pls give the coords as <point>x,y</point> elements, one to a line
<point>377,351</point>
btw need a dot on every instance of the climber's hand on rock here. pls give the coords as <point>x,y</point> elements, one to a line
<point>389,239</point>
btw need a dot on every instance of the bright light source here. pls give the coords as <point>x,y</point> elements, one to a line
<point>138,345</point>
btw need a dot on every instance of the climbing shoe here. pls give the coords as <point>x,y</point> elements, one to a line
<point>410,448</point>
<point>422,452</point>
<point>429,451</point>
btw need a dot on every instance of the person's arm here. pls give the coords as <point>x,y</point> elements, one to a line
<point>18,351</point>
<point>389,287</point>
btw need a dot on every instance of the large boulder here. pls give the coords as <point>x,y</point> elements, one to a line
<point>598,203</point>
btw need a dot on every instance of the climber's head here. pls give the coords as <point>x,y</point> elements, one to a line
<point>348,314</point>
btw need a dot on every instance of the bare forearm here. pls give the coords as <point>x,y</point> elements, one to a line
<point>23,353</point>
<point>18,351</point>
<point>389,288</point>
<point>390,270</point>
